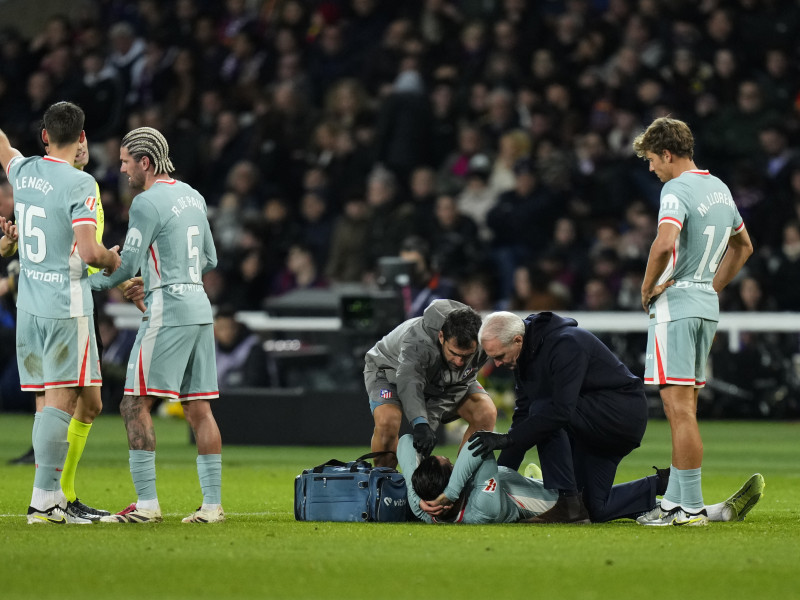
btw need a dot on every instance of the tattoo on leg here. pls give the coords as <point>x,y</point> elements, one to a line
<point>135,412</point>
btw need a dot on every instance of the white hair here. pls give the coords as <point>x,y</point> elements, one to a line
<point>501,326</point>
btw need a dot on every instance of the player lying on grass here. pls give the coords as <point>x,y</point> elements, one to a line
<point>476,490</point>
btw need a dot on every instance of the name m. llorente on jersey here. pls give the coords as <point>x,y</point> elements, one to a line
<point>700,246</point>
<point>169,238</point>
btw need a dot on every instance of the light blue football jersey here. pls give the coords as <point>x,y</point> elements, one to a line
<point>169,239</point>
<point>50,198</point>
<point>703,208</point>
<point>493,494</point>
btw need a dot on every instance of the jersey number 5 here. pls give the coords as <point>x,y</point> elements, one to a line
<point>194,253</point>
<point>27,230</point>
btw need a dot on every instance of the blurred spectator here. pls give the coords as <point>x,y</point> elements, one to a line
<point>750,297</point>
<point>456,248</point>
<point>534,291</point>
<point>226,147</point>
<point>248,284</point>
<point>521,221</point>
<point>444,122</point>
<point>244,180</point>
<point>426,284</point>
<point>477,198</point>
<point>734,134</point>
<point>347,103</point>
<point>477,291</point>
<point>786,272</point>
<point>56,32</point>
<point>687,77</point>
<point>241,359</point>
<point>390,219</point>
<point>423,193</point>
<point>724,82</point>
<point>299,273</point>
<point>347,261</point>
<point>330,60</point>
<point>514,145</point>
<point>101,97</point>
<point>128,55</point>
<point>598,296</point>
<point>779,79</point>
<point>454,171</point>
<point>315,225</point>
<point>276,232</point>
<point>402,139</point>
<point>500,117</point>
<point>39,96</point>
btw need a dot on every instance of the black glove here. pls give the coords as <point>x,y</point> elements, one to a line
<point>424,439</point>
<point>483,443</point>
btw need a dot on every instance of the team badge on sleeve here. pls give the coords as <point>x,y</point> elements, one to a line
<point>386,394</point>
<point>91,203</point>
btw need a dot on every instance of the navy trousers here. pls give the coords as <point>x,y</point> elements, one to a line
<point>568,463</point>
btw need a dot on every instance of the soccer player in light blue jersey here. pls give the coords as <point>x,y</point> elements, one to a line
<point>55,207</point>
<point>700,246</point>
<point>89,403</point>
<point>169,239</point>
<point>474,490</point>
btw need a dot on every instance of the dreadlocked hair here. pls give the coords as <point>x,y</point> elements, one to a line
<point>146,141</point>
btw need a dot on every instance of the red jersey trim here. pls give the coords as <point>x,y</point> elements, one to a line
<point>671,220</point>
<point>155,261</point>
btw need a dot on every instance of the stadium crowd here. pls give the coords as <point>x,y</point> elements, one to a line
<point>496,132</point>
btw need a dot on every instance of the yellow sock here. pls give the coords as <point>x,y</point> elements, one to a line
<point>76,436</point>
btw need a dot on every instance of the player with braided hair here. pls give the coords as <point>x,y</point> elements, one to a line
<point>169,239</point>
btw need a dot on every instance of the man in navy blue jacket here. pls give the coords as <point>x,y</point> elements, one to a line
<point>582,408</point>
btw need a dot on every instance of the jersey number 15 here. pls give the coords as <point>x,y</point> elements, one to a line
<point>27,230</point>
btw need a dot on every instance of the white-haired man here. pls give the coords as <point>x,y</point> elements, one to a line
<point>582,408</point>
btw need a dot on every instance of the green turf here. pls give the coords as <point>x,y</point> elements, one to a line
<point>261,552</point>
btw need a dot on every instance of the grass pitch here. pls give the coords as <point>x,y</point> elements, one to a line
<point>261,552</point>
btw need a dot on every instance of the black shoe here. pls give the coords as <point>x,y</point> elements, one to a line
<point>568,509</point>
<point>80,510</point>
<point>663,480</point>
<point>26,459</point>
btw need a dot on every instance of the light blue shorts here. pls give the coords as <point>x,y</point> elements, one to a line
<point>677,352</point>
<point>173,362</point>
<point>56,353</point>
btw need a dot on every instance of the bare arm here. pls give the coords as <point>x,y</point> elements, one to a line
<point>94,254</point>
<point>660,255</point>
<point>6,151</point>
<point>739,250</point>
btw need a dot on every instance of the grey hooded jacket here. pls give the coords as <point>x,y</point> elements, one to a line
<point>410,356</point>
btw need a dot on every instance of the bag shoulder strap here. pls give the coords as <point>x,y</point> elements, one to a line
<point>354,465</point>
